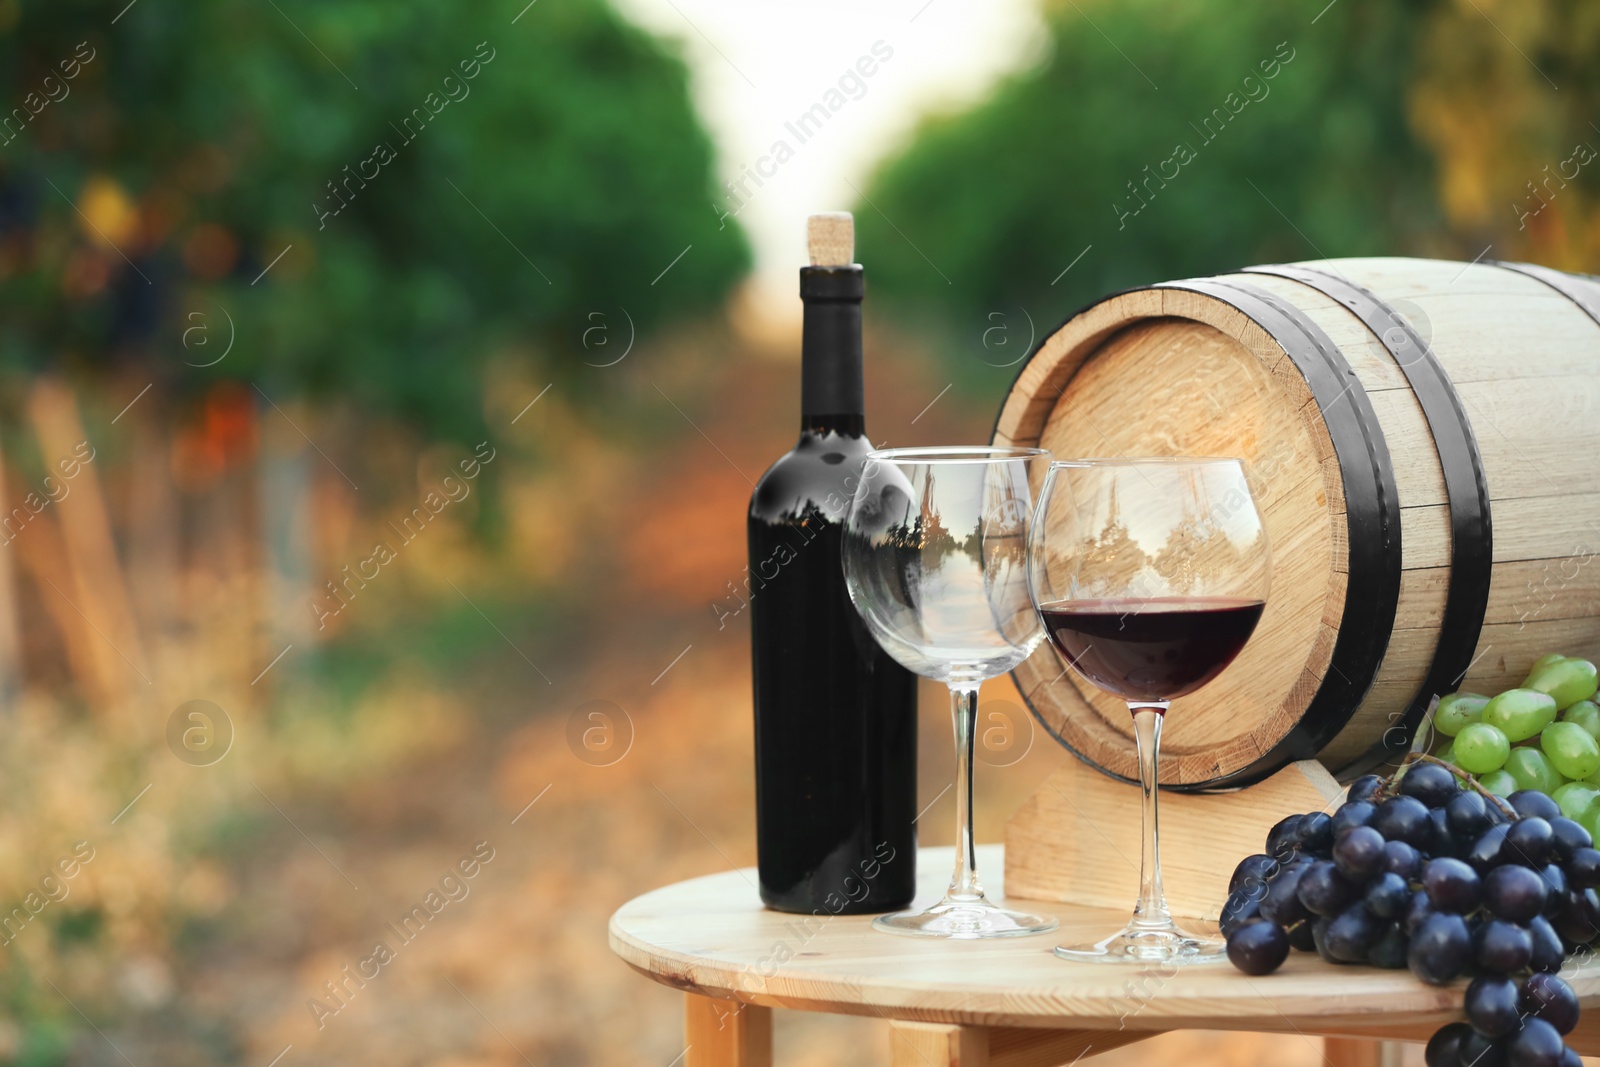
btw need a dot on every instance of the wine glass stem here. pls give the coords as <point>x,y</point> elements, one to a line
<point>964,717</point>
<point>1151,911</point>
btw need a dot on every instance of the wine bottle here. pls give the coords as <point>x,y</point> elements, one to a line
<point>835,716</point>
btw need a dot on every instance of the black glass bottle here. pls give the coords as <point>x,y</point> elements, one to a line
<point>835,717</point>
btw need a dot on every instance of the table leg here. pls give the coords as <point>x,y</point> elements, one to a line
<point>726,1033</point>
<point>937,1045</point>
<point>1362,1052</point>
<point>947,1045</point>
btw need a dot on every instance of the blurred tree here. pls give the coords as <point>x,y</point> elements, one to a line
<point>1508,98</point>
<point>375,194</point>
<point>1158,139</point>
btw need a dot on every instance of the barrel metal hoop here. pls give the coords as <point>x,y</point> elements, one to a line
<point>1562,283</point>
<point>1372,514</point>
<point>1466,486</point>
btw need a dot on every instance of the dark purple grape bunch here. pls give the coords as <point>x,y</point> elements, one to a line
<point>1417,872</point>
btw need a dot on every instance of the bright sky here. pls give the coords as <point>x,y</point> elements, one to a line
<point>759,65</point>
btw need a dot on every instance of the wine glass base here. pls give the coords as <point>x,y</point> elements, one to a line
<point>966,920</point>
<point>1146,944</point>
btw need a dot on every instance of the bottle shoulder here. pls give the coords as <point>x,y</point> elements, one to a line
<point>818,474</point>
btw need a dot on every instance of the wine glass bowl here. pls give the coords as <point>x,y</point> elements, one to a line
<point>935,561</point>
<point>1149,575</point>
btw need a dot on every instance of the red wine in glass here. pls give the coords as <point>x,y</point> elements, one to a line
<point>1149,574</point>
<point>1151,649</point>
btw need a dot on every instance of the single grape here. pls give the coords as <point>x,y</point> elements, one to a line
<point>1501,947</point>
<point>1444,1047</point>
<point>1403,819</point>
<point>1534,803</point>
<point>1589,818</point>
<point>1441,842</point>
<point>1500,783</point>
<point>1520,713</point>
<point>1282,904</point>
<point>1429,783</point>
<point>1456,711</point>
<point>1565,682</point>
<point>1548,997</point>
<point>1491,1005</point>
<point>1239,909</point>
<point>1467,815</point>
<point>1388,896</point>
<point>1400,858</point>
<point>1480,748</point>
<point>1284,837</point>
<point>1531,769</point>
<point>1417,912</point>
<point>1574,798</point>
<point>1259,947</point>
<point>1570,749</point>
<point>1514,893</point>
<point>1586,714</point>
<point>1530,841</point>
<point>1537,1044</point>
<point>1570,837</point>
<point>1478,1051</point>
<point>1365,788</point>
<point>1577,919</point>
<point>1485,852</point>
<point>1319,938</point>
<point>1583,869</point>
<point>1391,950</point>
<point>1350,814</point>
<point>1352,933</point>
<point>1358,853</point>
<point>1541,663</point>
<point>1555,884</point>
<point>1548,951</point>
<point>1440,948</point>
<point>1316,832</point>
<point>1451,885</point>
<point>1324,891</point>
<point>1252,870</point>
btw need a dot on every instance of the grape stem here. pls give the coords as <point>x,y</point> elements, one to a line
<point>1423,757</point>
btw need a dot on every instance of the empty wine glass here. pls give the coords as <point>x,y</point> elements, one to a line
<point>935,546</point>
<point>1150,576</point>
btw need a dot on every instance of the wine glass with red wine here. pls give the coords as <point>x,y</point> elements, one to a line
<point>1149,575</point>
<point>935,559</point>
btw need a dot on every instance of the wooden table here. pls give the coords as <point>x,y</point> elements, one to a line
<point>1006,1003</point>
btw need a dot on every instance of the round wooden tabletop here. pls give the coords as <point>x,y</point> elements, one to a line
<point>711,935</point>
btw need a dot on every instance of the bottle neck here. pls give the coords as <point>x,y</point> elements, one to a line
<point>822,425</point>
<point>831,395</point>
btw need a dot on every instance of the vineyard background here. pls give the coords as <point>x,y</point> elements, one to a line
<point>268,393</point>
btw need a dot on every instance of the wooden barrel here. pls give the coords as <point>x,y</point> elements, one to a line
<point>1423,438</point>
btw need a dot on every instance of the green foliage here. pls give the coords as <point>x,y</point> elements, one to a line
<point>1002,197</point>
<point>201,141</point>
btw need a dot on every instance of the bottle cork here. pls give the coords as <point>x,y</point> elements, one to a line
<point>831,239</point>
